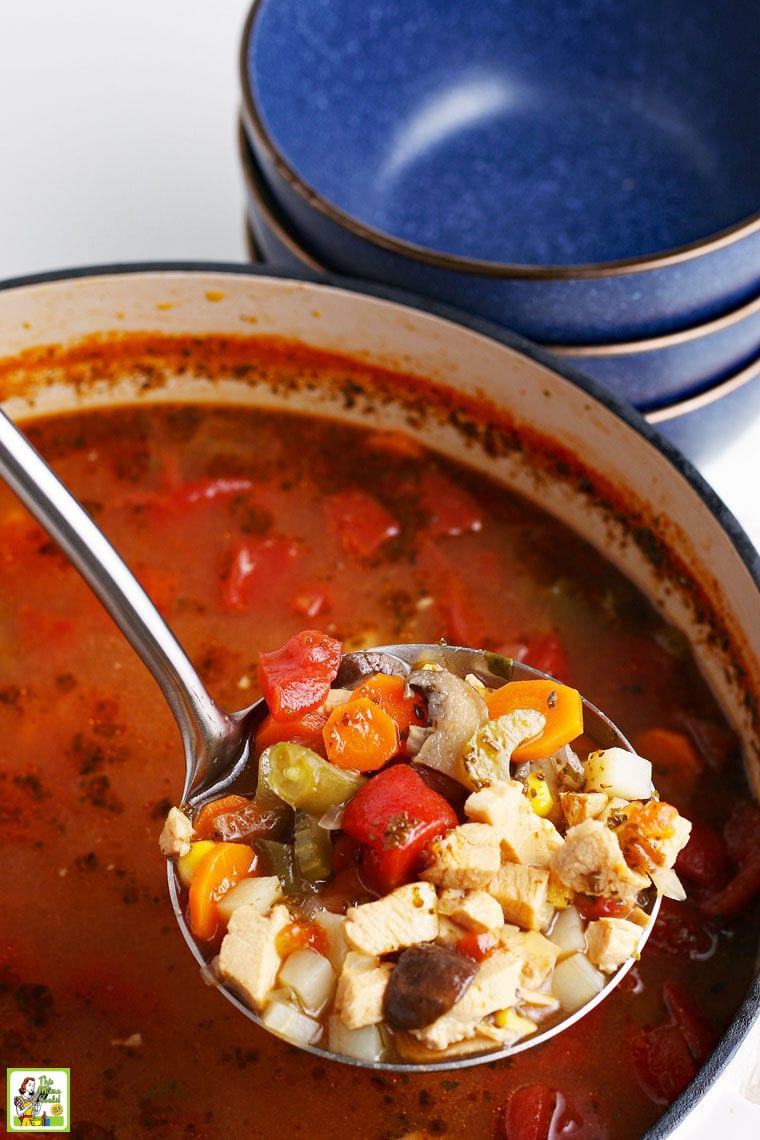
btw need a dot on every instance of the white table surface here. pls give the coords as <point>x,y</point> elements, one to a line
<point>118,144</point>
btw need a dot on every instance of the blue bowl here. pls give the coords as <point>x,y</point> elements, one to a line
<point>650,372</point>
<point>701,425</point>
<point>570,169</point>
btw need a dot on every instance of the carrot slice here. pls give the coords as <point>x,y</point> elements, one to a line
<point>218,871</point>
<point>388,691</point>
<point>561,705</point>
<point>203,824</point>
<point>359,735</point>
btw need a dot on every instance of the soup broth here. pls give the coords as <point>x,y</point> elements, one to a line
<point>246,526</point>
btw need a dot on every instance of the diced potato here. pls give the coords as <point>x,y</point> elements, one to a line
<point>576,982</point>
<point>618,772</point>
<point>311,978</point>
<point>337,947</point>
<point>364,1044</point>
<point>287,1020</point>
<point>261,891</point>
<point>568,932</point>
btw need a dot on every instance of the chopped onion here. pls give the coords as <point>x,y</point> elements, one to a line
<point>576,982</point>
<point>668,884</point>
<point>332,819</point>
<point>618,772</point>
<point>260,891</point>
<point>568,932</point>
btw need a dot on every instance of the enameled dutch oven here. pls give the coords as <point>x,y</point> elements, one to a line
<point>574,449</point>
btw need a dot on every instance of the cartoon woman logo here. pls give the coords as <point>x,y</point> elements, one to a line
<point>27,1104</point>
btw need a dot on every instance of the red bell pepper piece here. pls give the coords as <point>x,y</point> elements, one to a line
<point>394,816</point>
<point>296,678</point>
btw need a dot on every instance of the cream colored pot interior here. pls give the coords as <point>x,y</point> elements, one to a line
<point>613,486</point>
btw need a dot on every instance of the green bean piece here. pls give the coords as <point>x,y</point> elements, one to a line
<point>312,847</point>
<point>305,780</point>
<point>282,864</point>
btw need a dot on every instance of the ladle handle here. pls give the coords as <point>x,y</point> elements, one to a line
<point>202,724</point>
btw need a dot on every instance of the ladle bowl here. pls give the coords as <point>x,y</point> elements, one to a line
<point>215,742</point>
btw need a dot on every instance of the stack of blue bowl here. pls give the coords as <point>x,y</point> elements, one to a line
<point>585,174</point>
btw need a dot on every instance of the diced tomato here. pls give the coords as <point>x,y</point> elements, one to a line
<point>362,523</point>
<point>199,491</point>
<point>451,510</point>
<point>309,601</point>
<point>730,900</point>
<point>662,1062</point>
<point>685,1013</point>
<point>547,654</point>
<point>592,908</point>
<point>741,830</point>
<point>305,729</point>
<point>394,816</point>
<point>704,859</point>
<point>301,936</point>
<point>477,945</point>
<point>256,566</point>
<point>529,1113</point>
<point>682,931</point>
<point>296,678</point>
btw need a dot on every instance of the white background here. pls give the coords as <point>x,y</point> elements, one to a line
<point>118,143</point>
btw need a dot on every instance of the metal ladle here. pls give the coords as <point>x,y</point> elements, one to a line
<point>216,743</point>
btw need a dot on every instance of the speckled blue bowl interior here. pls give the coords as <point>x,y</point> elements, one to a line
<point>537,132</point>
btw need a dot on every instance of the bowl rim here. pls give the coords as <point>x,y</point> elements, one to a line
<point>748,1013</point>
<point>261,195</point>
<point>702,399</point>
<point>311,197</point>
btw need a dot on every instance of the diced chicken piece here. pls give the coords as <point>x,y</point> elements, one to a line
<point>577,806</point>
<point>248,958</point>
<point>540,956</point>
<point>478,911</point>
<point>611,941</point>
<point>525,837</point>
<point>449,932</point>
<point>493,988</point>
<point>361,989</point>
<point>177,834</point>
<point>466,857</point>
<point>591,862</point>
<point>522,894</point>
<point>404,917</point>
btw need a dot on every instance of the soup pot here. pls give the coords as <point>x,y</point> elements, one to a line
<point>93,338</point>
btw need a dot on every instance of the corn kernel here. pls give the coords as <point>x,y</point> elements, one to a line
<point>539,795</point>
<point>509,1019</point>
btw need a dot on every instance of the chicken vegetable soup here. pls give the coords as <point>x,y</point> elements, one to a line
<point>247,526</point>
<point>431,866</point>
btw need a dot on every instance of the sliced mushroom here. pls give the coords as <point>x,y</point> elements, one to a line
<point>356,667</point>
<point>427,981</point>
<point>456,710</point>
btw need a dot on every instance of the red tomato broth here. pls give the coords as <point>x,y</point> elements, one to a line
<point>91,763</point>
